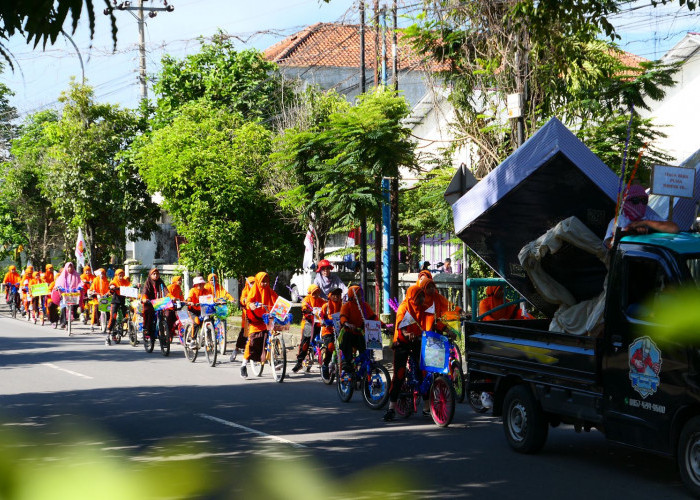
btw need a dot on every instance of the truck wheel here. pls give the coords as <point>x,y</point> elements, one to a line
<point>523,420</point>
<point>689,455</point>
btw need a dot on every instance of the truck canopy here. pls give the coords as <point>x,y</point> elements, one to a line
<point>550,178</point>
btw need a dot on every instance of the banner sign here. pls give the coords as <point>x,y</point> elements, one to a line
<point>673,181</point>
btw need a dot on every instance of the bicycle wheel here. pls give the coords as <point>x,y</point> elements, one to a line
<point>278,358</point>
<point>457,377</point>
<point>345,386</point>
<point>13,306</point>
<point>442,401</point>
<point>255,367</point>
<point>189,346</point>
<point>133,335</point>
<point>163,338</point>
<point>210,343</point>
<point>375,386</point>
<point>149,341</point>
<point>332,370</point>
<point>69,318</point>
<point>221,338</point>
<point>404,405</point>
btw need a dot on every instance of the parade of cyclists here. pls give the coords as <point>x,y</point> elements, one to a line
<point>334,317</point>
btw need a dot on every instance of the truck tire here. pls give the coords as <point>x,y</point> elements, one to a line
<point>689,455</point>
<point>524,423</point>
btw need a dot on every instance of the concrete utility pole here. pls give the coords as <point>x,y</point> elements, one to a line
<point>363,220</point>
<point>152,12</point>
<point>386,206</point>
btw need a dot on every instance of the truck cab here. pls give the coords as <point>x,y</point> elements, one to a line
<point>637,379</point>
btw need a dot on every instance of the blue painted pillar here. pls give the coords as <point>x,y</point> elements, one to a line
<point>386,242</point>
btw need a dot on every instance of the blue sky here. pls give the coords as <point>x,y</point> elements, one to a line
<point>42,75</point>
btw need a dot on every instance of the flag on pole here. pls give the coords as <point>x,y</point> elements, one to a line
<point>80,249</point>
<point>308,249</point>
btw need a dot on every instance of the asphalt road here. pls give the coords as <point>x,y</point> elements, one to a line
<point>148,409</point>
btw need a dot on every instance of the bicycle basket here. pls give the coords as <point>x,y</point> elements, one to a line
<point>104,303</point>
<point>183,316</point>
<point>71,298</point>
<point>208,308</point>
<point>221,311</point>
<point>435,353</point>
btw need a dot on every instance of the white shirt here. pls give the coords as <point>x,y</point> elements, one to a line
<point>623,221</point>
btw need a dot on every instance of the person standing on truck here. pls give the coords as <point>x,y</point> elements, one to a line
<point>494,298</point>
<point>327,282</point>
<point>638,217</point>
<point>410,323</point>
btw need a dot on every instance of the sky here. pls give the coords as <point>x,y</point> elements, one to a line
<point>40,76</point>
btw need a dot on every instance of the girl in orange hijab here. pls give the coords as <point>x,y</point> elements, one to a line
<point>11,278</point>
<point>243,334</point>
<point>312,301</point>
<point>117,301</point>
<point>328,309</point>
<point>410,324</point>
<point>175,289</point>
<point>352,320</point>
<point>435,305</point>
<point>260,300</point>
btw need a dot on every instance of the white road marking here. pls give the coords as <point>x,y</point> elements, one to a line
<point>51,365</point>
<point>248,429</point>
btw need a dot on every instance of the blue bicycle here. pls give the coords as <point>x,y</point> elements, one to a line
<point>368,375</point>
<point>13,298</point>
<point>440,391</point>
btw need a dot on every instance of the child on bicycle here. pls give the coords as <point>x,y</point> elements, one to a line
<point>260,300</point>
<point>175,289</point>
<point>154,288</point>
<point>194,310</point>
<point>352,318</point>
<point>243,334</point>
<point>118,302</point>
<point>410,323</point>
<point>12,277</point>
<point>327,331</point>
<point>309,324</point>
<point>98,289</point>
<point>213,287</point>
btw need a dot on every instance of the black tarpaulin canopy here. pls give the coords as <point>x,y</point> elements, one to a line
<point>551,177</point>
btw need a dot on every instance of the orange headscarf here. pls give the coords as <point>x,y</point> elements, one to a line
<point>259,294</point>
<point>409,306</point>
<point>491,302</point>
<point>310,302</point>
<point>350,312</point>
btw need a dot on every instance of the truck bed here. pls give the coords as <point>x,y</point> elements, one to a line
<point>563,368</point>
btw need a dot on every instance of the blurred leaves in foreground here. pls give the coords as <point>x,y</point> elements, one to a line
<point>674,315</point>
<point>90,466</point>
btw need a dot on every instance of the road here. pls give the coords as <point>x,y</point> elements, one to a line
<point>141,409</point>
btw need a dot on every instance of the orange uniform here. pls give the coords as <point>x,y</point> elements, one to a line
<point>214,288</point>
<point>175,289</point>
<point>491,301</point>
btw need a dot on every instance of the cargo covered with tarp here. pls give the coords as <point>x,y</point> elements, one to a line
<point>550,178</point>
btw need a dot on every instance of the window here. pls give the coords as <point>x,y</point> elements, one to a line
<point>646,285</point>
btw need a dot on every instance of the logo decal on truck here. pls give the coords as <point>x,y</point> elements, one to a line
<point>645,366</point>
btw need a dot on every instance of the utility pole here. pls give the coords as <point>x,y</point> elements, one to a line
<point>386,206</point>
<point>152,12</point>
<point>394,240</point>
<point>363,220</point>
<point>378,220</point>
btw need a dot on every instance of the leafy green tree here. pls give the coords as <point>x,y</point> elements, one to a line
<point>296,154</point>
<point>89,183</point>
<point>206,164</point>
<point>24,180</point>
<point>243,83</point>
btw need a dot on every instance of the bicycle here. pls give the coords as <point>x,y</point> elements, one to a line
<point>70,298</point>
<point>368,375</point>
<point>220,315</point>
<point>438,387</point>
<point>274,348</point>
<point>161,327</point>
<point>13,298</point>
<point>206,335</point>
<point>121,325</point>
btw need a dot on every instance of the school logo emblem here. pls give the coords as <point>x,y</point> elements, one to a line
<point>645,366</point>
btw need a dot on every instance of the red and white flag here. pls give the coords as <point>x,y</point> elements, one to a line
<point>80,249</point>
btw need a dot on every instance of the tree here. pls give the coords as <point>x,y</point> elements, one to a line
<point>90,183</point>
<point>243,83</point>
<point>552,55</point>
<point>295,154</point>
<point>24,180</point>
<point>41,21</point>
<point>206,164</point>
